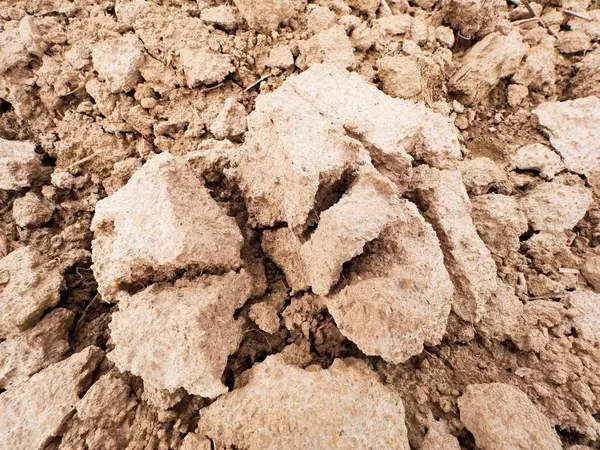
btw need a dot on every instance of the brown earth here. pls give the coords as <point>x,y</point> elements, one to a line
<point>277,224</point>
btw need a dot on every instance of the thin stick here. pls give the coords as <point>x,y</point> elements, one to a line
<point>386,7</point>
<point>83,160</point>
<point>524,21</point>
<point>576,14</point>
<point>260,80</point>
<point>539,19</point>
<point>85,311</point>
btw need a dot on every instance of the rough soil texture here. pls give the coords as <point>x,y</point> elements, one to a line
<point>299,224</point>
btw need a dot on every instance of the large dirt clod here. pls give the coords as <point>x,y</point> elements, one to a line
<point>19,164</point>
<point>344,407</point>
<point>181,335</point>
<point>502,417</point>
<point>146,230</point>
<point>33,412</point>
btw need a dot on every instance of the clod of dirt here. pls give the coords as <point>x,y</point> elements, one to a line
<point>481,175</point>
<point>400,75</point>
<point>538,69</point>
<point>225,17</point>
<point>438,438</point>
<point>181,335</point>
<point>591,272</point>
<point>130,247</point>
<point>24,354</point>
<point>29,284</point>
<point>33,412</point>
<point>231,121</point>
<point>555,207</point>
<point>471,18</point>
<point>118,62</point>
<point>390,129</point>
<point>344,405</point>
<point>539,158</point>
<point>501,416</point>
<point>404,269</point>
<point>587,322</point>
<point>494,57</point>
<point>331,47</point>
<point>195,442</point>
<point>265,316</point>
<point>586,81</point>
<point>32,210</point>
<point>444,198</point>
<point>202,66</point>
<point>343,230</point>
<point>269,14</point>
<point>572,127</point>
<point>499,222</point>
<point>19,164</point>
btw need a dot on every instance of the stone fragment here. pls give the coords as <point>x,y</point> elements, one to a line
<point>203,66</point>
<point>575,41</point>
<point>538,69</point>
<point>320,18</point>
<point>280,57</point>
<point>180,336</point>
<point>591,271</point>
<point>404,270</point>
<point>26,353</point>
<point>389,128</point>
<point>438,438</point>
<point>28,286</point>
<point>445,36</point>
<point>501,416</point>
<point>267,15</point>
<point>331,47</point>
<point>19,164</point>
<point>265,316</point>
<point>118,62</point>
<point>539,158</point>
<point>471,18</point>
<point>344,406</point>
<point>480,175</point>
<point>572,127</point>
<point>447,207</point>
<point>494,57</point>
<point>586,81</point>
<point>225,17</point>
<point>32,210</point>
<point>555,207</point>
<point>343,230</point>
<point>400,75</point>
<point>33,412</point>
<point>587,320</point>
<point>148,230</point>
<point>516,94</point>
<point>305,154</point>
<point>231,121</point>
<point>499,222</point>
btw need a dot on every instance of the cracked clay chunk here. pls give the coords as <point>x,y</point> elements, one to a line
<point>587,321</point>
<point>162,220</point>
<point>26,353</point>
<point>267,15</point>
<point>181,335</point>
<point>281,406</point>
<point>572,127</point>
<point>28,286</point>
<point>291,153</point>
<point>204,66</point>
<point>473,271</point>
<point>389,128</point>
<point>404,270</point>
<point>486,63</point>
<point>331,47</point>
<point>501,417</point>
<point>32,413</point>
<point>118,62</point>
<point>19,164</point>
<point>343,230</point>
<point>555,207</point>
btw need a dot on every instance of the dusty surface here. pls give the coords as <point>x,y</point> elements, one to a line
<point>337,224</point>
